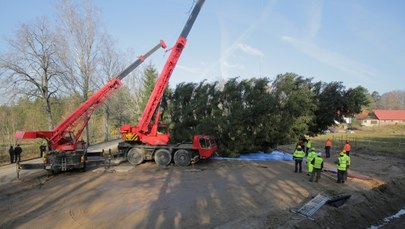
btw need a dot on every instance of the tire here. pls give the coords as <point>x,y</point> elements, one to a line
<point>55,171</point>
<point>182,158</point>
<point>163,157</point>
<point>135,156</point>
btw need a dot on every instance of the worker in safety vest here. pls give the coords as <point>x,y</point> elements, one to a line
<point>347,147</point>
<point>347,165</point>
<point>341,168</point>
<point>298,156</point>
<point>328,146</point>
<point>317,162</point>
<point>308,146</point>
<point>311,155</point>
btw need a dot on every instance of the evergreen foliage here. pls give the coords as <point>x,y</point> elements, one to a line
<point>257,114</point>
<point>149,78</point>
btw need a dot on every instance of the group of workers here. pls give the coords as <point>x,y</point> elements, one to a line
<point>315,160</point>
<point>15,153</point>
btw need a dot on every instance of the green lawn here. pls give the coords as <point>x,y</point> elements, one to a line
<point>384,139</point>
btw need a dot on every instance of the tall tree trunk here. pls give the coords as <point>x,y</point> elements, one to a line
<point>106,115</point>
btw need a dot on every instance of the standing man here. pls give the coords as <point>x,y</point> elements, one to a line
<point>42,149</point>
<point>11,152</point>
<point>347,165</point>
<point>17,151</point>
<point>328,146</point>
<point>311,155</point>
<point>341,168</point>
<point>298,155</point>
<point>317,162</point>
<point>308,146</point>
<point>347,147</point>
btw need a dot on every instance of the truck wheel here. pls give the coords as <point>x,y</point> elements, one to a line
<point>163,157</point>
<point>182,158</point>
<point>135,156</point>
<point>55,171</point>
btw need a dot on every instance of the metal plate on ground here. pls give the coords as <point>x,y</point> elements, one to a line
<point>313,205</point>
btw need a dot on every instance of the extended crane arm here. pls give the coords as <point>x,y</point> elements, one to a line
<point>140,59</point>
<point>161,84</point>
<point>81,116</point>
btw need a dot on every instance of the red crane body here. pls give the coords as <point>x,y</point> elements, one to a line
<point>145,141</point>
<point>143,132</point>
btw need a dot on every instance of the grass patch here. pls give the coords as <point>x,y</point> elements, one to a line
<point>382,139</point>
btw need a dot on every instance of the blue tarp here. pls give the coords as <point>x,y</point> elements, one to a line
<point>260,156</point>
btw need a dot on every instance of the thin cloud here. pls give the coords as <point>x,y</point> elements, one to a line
<point>229,43</point>
<point>249,50</point>
<point>332,59</point>
<point>314,15</point>
<point>229,65</point>
<point>188,69</point>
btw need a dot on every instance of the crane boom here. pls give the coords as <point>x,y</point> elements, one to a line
<point>142,131</point>
<point>150,141</point>
<point>167,71</point>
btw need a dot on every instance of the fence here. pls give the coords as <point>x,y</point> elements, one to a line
<point>394,145</point>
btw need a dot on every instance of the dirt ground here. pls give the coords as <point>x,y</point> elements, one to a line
<point>212,194</point>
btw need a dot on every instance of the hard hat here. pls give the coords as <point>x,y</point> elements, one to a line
<point>312,149</point>
<point>319,154</point>
<point>298,147</point>
<point>342,153</point>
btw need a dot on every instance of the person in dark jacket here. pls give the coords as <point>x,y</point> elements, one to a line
<point>17,151</point>
<point>11,152</point>
<point>298,156</point>
<point>42,149</point>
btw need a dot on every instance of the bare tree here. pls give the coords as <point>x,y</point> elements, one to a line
<point>393,100</point>
<point>78,39</point>
<point>7,126</point>
<point>31,67</point>
<point>122,105</point>
<point>110,66</point>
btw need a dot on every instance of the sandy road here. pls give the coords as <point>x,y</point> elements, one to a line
<point>216,194</point>
<point>8,173</point>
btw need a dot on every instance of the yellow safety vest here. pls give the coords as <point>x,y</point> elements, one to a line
<point>342,163</point>
<point>299,154</point>
<point>309,144</point>
<point>347,159</point>
<point>318,162</point>
<point>311,155</point>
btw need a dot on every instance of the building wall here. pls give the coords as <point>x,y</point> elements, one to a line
<point>370,122</point>
<point>391,122</point>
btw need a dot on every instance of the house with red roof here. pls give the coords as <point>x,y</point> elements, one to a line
<point>385,117</point>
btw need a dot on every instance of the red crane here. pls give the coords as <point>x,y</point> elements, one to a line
<point>64,138</point>
<point>145,141</point>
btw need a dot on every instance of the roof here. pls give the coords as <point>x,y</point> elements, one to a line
<point>362,115</point>
<point>390,114</point>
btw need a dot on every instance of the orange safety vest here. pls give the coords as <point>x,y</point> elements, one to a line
<point>346,147</point>
<point>328,143</point>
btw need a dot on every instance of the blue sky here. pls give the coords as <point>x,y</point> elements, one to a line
<point>358,42</point>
